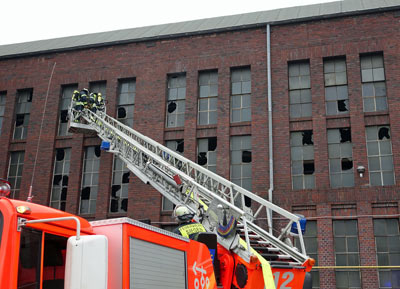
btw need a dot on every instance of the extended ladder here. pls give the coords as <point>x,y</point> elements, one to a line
<point>185,182</point>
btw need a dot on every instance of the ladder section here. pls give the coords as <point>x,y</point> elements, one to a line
<point>185,182</point>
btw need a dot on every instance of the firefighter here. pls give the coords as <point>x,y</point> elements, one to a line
<point>92,102</point>
<point>84,94</point>
<point>187,227</point>
<point>78,104</point>
<point>100,102</point>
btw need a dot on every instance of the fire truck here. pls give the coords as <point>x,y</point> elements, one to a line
<point>44,248</point>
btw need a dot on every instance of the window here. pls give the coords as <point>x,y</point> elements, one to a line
<point>207,155</point>
<point>345,237</point>
<point>373,82</point>
<point>99,86</point>
<point>2,108</point>
<point>380,157</point>
<point>208,93</point>
<point>240,148</point>
<point>66,96</point>
<point>300,89</point>
<point>23,109</point>
<point>30,273</point>
<point>311,243</point>
<point>240,94</point>
<point>90,180</point>
<point>119,187</point>
<point>176,146</point>
<point>302,159</point>
<point>176,100</point>
<point>336,96</point>
<point>126,101</point>
<point>60,179</point>
<point>341,172</point>
<point>387,243</point>
<point>15,169</point>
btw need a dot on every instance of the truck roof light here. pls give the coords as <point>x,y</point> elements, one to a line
<point>23,210</point>
<point>5,188</point>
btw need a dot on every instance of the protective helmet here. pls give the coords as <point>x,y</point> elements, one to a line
<point>183,214</point>
<point>85,91</point>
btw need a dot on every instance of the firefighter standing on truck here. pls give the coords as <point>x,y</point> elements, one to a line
<point>187,228</point>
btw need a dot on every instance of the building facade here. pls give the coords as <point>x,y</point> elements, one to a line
<point>335,77</point>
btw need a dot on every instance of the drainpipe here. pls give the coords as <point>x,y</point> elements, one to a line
<point>271,150</point>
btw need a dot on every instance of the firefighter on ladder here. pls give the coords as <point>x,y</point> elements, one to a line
<point>187,228</point>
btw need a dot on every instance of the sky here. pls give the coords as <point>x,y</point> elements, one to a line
<point>29,20</point>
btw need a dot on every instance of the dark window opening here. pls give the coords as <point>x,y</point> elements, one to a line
<point>307,137</point>
<point>85,195</point>
<point>114,190</point>
<point>20,120</point>
<point>125,178</point>
<point>57,179</point>
<point>60,154</point>
<point>180,146</point>
<point>308,167</point>
<point>64,116</point>
<point>64,194</point>
<point>202,158</point>
<point>347,164</point>
<point>114,206</point>
<point>97,151</point>
<point>124,205</point>
<point>246,157</point>
<point>383,133</point>
<point>171,107</point>
<point>345,135</point>
<point>65,180</point>
<point>212,143</point>
<point>341,104</point>
<point>121,112</point>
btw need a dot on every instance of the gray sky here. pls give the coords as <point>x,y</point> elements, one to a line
<point>28,20</point>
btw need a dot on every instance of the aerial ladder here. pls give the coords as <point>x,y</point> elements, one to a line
<point>233,213</point>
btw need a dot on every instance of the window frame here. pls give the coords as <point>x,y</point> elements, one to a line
<point>208,98</point>
<point>300,97</point>
<point>240,102</point>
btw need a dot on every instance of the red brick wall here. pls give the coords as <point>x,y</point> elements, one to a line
<point>150,65</point>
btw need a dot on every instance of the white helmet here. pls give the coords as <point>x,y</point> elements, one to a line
<point>182,213</point>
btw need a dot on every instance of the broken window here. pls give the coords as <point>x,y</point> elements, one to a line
<point>176,95</point>
<point>59,188</point>
<point>380,156</point>
<point>336,95</point>
<point>207,155</point>
<point>90,180</point>
<point>119,187</point>
<point>208,93</point>
<point>240,94</point>
<point>373,82</point>
<point>302,160</point>
<point>126,101</point>
<point>23,109</point>
<point>340,153</point>
<point>300,89</point>
<point>65,101</point>
<point>240,169</point>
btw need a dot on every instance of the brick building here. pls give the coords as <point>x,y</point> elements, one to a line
<point>201,87</point>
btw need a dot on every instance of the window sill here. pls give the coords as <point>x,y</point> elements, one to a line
<point>206,126</point>
<point>181,128</point>
<point>244,123</point>
<point>337,116</point>
<point>300,119</point>
<point>376,113</point>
